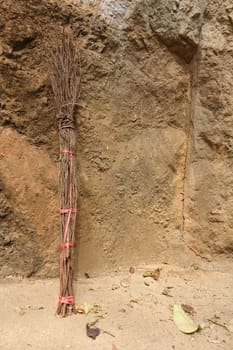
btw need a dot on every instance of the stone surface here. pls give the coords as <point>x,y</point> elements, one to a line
<point>176,23</point>
<point>28,223</point>
<point>154,133</point>
<point>209,218</point>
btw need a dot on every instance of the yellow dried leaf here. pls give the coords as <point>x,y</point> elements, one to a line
<point>87,308</point>
<point>183,321</point>
<point>80,310</point>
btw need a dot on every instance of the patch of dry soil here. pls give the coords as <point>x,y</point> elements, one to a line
<point>132,315</point>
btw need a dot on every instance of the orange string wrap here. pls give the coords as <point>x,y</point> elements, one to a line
<point>67,245</point>
<point>66,300</point>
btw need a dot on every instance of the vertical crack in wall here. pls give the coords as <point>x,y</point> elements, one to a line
<point>190,141</point>
<point>194,76</point>
<point>189,130</point>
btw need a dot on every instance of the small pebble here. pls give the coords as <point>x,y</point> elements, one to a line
<point>122,310</point>
<point>131,269</point>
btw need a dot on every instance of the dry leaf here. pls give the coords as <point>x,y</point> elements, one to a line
<point>193,267</point>
<point>183,321</point>
<point>167,291</point>
<point>80,310</point>
<point>147,274</point>
<point>101,317</point>
<point>188,308</point>
<point>154,274</point>
<point>92,330</point>
<point>86,308</point>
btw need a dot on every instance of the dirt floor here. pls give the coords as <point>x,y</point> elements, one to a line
<point>134,312</point>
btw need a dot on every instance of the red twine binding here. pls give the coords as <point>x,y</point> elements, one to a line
<point>69,300</point>
<point>66,151</point>
<point>67,245</point>
<point>65,211</point>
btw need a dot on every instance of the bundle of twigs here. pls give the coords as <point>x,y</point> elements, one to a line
<point>65,83</point>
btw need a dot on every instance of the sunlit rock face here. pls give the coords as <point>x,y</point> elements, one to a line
<point>154,139</point>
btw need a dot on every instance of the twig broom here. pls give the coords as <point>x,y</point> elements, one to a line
<point>65,83</point>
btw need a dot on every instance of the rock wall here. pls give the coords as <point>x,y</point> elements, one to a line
<point>208,215</point>
<point>153,127</point>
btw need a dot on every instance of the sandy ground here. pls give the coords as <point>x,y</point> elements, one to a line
<point>132,315</point>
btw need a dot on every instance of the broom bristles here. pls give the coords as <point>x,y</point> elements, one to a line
<point>64,74</point>
<point>65,83</point>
